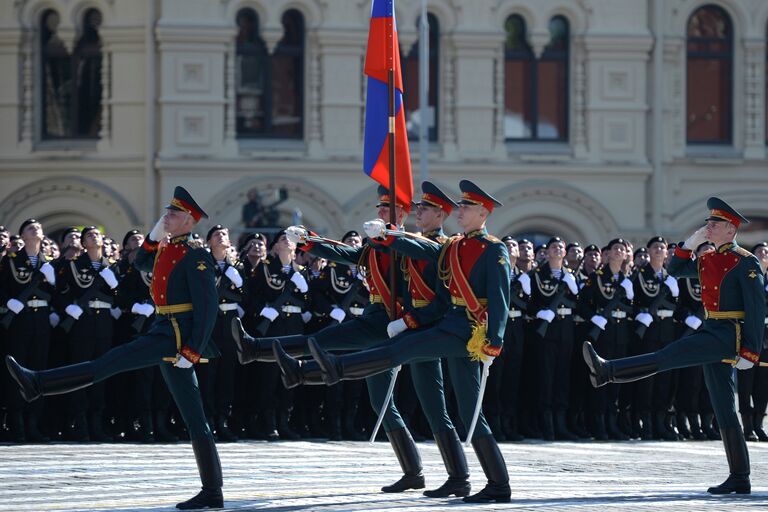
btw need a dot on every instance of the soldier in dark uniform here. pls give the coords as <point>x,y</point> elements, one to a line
<point>219,386</point>
<point>606,300</point>
<point>27,281</point>
<point>553,301</point>
<point>87,287</point>
<point>4,237</point>
<point>184,291</point>
<point>655,300</point>
<point>753,383</point>
<point>692,400</point>
<point>361,332</point>
<point>574,253</point>
<point>733,294</point>
<point>475,269</point>
<point>528,408</point>
<point>641,258</point>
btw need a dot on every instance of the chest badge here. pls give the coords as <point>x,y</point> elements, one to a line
<point>201,266</point>
<point>752,274</point>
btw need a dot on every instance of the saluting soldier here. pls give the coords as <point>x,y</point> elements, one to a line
<point>219,386</point>
<point>27,281</point>
<point>361,332</point>
<point>606,300</point>
<point>656,294</point>
<point>692,399</point>
<point>87,287</point>
<point>184,292</point>
<point>475,269</point>
<point>733,294</point>
<point>753,383</point>
<point>553,299</point>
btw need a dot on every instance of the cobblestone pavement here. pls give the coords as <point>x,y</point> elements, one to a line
<point>346,476</point>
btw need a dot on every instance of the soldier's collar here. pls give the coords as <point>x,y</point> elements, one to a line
<point>180,238</point>
<point>433,233</point>
<point>476,233</point>
<point>725,247</point>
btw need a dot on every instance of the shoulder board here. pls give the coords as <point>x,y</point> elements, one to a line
<point>13,255</point>
<point>265,261</point>
<point>566,269</point>
<point>538,269</point>
<point>742,252</point>
<point>111,261</point>
<point>599,272</point>
<point>492,238</point>
<point>239,265</point>
<point>298,268</point>
<point>47,258</point>
<point>441,239</point>
<point>194,244</point>
<point>331,263</point>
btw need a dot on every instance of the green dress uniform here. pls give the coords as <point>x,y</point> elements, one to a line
<point>475,270</point>
<point>732,290</point>
<point>184,292</point>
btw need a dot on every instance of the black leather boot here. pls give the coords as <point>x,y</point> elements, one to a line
<point>161,431</point>
<point>348,429</point>
<point>357,365</point>
<point>16,427</point>
<point>682,425</point>
<point>96,428</point>
<point>79,429</point>
<point>410,461</point>
<point>695,427</point>
<point>746,423</point>
<point>576,425</point>
<point>495,469</point>
<point>145,430</point>
<point>250,349</point>
<point>660,427</point>
<point>269,425</point>
<point>614,432</point>
<point>646,428</point>
<point>284,427</point>
<point>509,425</point>
<point>209,467</point>
<point>562,432</point>
<point>56,381</point>
<point>34,434</point>
<point>598,428</point>
<point>223,431</point>
<point>758,427</point>
<point>708,427</point>
<point>455,464</point>
<point>294,372</point>
<point>627,369</point>
<point>738,463</point>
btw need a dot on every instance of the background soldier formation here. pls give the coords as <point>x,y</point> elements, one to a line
<point>70,300</point>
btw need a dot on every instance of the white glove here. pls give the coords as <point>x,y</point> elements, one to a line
<point>644,318</point>
<point>137,309</point>
<point>395,327</point>
<point>15,305</point>
<point>296,234</point>
<point>627,285</point>
<point>375,228</point>
<point>743,364</point>
<point>696,239</point>
<point>546,314</point>
<point>49,273</point>
<point>109,277</point>
<point>234,276</point>
<point>74,311</point>
<point>693,322</point>
<point>525,282</point>
<point>671,283</point>
<point>361,276</point>
<point>149,309</point>
<point>306,316</point>
<point>116,313</point>
<point>182,362</point>
<point>270,313</point>
<point>338,314</point>
<point>599,321</point>
<point>54,319</point>
<point>300,282</point>
<point>240,312</point>
<point>488,360</point>
<point>158,232</point>
<point>571,282</point>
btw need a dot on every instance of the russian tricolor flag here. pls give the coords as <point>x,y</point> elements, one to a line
<point>383,54</point>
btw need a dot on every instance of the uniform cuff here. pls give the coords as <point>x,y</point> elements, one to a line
<point>306,247</point>
<point>683,253</point>
<point>747,354</point>
<point>410,321</point>
<point>149,245</point>
<point>492,351</point>
<point>190,354</point>
<point>389,240</point>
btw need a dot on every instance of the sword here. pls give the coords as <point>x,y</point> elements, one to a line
<point>384,405</point>
<point>732,362</point>
<point>479,404</point>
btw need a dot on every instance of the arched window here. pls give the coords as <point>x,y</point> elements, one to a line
<point>709,76</point>
<point>536,90</point>
<point>71,84</point>
<point>270,88</point>
<point>410,69</point>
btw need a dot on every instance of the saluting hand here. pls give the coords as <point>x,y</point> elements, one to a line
<point>696,239</point>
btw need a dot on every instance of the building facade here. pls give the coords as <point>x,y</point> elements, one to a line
<point>586,118</point>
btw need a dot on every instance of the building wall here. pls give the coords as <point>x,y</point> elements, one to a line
<point>168,117</point>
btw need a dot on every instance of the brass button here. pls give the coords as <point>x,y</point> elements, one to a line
<point>715,287</point>
<point>287,315</point>
<point>98,311</point>
<point>34,310</point>
<point>173,261</point>
<point>163,278</point>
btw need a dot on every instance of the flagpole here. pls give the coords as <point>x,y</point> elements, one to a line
<point>392,180</point>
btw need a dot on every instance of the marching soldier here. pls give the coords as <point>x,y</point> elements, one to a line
<point>733,294</point>
<point>27,281</point>
<point>87,287</point>
<point>692,399</point>
<point>361,332</point>
<point>528,411</point>
<point>553,298</point>
<point>606,300</point>
<point>183,283</point>
<point>475,269</point>
<point>753,383</point>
